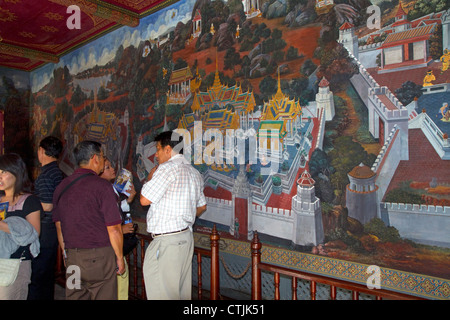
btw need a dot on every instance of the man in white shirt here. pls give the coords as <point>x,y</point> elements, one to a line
<point>174,191</point>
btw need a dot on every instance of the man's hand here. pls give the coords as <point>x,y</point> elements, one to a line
<point>200,210</point>
<point>150,175</point>
<point>116,239</point>
<point>120,266</point>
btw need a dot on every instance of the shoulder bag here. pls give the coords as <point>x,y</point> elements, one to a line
<point>9,268</point>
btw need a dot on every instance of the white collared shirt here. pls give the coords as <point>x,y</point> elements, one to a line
<point>175,190</point>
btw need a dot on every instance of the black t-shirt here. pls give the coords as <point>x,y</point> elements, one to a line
<point>27,204</point>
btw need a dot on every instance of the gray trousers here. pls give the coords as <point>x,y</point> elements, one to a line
<point>18,290</point>
<point>167,267</point>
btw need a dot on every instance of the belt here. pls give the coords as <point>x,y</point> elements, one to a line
<point>154,235</point>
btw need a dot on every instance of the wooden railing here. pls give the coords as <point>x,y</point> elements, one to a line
<point>215,274</point>
<point>135,261</point>
<point>356,289</point>
<point>137,286</point>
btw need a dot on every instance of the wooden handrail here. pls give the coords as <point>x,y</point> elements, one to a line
<point>135,266</point>
<point>258,266</point>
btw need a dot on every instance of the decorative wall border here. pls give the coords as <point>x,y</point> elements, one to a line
<point>400,281</point>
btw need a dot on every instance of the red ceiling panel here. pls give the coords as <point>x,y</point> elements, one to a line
<point>33,33</point>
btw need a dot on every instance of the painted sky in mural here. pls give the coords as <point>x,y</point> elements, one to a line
<point>100,52</point>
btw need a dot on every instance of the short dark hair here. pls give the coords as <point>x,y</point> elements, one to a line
<point>14,164</point>
<point>52,146</point>
<point>85,150</point>
<point>172,139</point>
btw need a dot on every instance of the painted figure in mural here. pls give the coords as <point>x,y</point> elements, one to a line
<point>43,276</point>
<point>429,77</point>
<point>20,228</point>
<point>128,229</point>
<point>89,226</point>
<point>445,58</point>
<point>445,112</point>
<point>174,191</point>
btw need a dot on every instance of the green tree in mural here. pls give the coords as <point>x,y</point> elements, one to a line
<point>60,81</point>
<point>336,66</point>
<point>308,67</point>
<point>180,64</point>
<point>232,58</point>
<point>424,7</point>
<point>78,96</point>
<point>102,93</point>
<point>292,53</point>
<point>268,87</point>
<point>436,47</point>
<point>346,155</point>
<point>408,92</point>
<point>320,163</point>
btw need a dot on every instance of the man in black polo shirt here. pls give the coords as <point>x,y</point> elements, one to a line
<point>43,266</point>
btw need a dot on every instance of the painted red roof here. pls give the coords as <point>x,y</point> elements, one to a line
<point>400,22</point>
<point>346,25</point>
<point>410,35</point>
<point>361,172</point>
<point>324,83</point>
<point>306,179</point>
<point>400,11</point>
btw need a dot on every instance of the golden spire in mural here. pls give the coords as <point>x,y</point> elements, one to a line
<point>217,85</point>
<point>279,96</point>
<point>280,106</point>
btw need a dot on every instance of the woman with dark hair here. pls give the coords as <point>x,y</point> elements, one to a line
<point>128,230</point>
<point>15,189</point>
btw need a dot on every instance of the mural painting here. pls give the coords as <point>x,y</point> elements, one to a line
<point>309,125</point>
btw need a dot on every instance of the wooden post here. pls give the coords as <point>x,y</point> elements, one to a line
<point>277,286</point>
<point>143,293</point>
<point>256,273</point>
<point>313,290</point>
<point>294,288</point>
<point>215,275</point>
<point>199,276</point>
<point>333,292</point>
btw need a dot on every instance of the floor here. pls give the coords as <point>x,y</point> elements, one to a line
<point>60,293</point>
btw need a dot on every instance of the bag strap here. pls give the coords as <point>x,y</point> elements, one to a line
<point>70,184</point>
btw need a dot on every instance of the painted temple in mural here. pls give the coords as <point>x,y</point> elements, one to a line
<point>282,201</point>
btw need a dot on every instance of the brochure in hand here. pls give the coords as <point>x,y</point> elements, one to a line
<point>123,181</point>
<point>3,209</point>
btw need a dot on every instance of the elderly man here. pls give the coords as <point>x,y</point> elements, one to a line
<point>89,228</point>
<point>175,192</point>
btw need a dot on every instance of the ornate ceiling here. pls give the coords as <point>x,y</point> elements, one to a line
<point>35,32</point>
